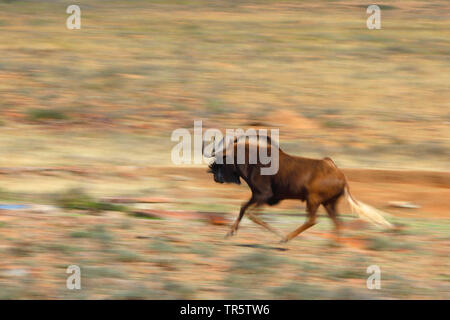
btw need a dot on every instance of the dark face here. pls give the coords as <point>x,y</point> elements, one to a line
<point>224,173</point>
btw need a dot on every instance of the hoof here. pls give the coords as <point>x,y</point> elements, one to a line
<point>284,240</point>
<point>229,234</point>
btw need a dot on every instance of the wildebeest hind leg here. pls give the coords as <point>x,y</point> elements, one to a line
<point>312,209</point>
<point>330,207</point>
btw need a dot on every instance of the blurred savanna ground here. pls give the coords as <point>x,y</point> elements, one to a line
<point>139,69</point>
<point>88,114</point>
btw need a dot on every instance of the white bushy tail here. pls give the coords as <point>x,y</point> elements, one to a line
<point>366,212</point>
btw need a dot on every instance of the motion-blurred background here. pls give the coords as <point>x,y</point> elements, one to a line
<point>85,123</point>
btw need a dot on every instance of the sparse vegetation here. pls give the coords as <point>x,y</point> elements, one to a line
<point>232,85</point>
<point>77,199</point>
<point>163,246</point>
<point>347,273</point>
<point>298,291</point>
<point>259,262</point>
<point>203,249</point>
<point>337,123</point>
<point>137,292</point>
<point>59,248</point>
<point>103,272</point>
<point>382,243</point>
<point>98,232</point>
<point>128,256</point>
<point>21,248</point>
<point>178,290</point>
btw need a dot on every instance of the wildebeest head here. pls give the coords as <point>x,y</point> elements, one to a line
<point>224,173</point>
<point>227,172</point>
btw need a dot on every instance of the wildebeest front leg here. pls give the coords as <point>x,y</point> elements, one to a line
<point>312,209</point>
<point>257,220</point>
<point>235,225</point>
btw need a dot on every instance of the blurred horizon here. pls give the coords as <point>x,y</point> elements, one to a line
<point>366,98</point>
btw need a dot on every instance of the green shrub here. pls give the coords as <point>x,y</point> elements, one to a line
<point>298,291</point>
<point>348,293</point>
<point>163,246</point>
<point>350,273</point>
<point>137,292</point>
<point>337,123</point>
<point>178,290</point>
<point>45,114</point>
<point>97,232</point>
<point>380,243</point>
<point>384,243</point>
<point>103,272</point>
<point>128,256</point>
<point>21,249</point>
<point>203,249</point>
<point>78,200</point>
<point>255,263</point>
<point>59,247</point>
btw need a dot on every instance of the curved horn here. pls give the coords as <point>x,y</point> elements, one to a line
<point>213,152</point>
<point>203,147</point>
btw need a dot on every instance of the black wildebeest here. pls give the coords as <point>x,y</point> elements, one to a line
<point>316,181</point>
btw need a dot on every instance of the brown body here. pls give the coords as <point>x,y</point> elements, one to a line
<point>318,182</point>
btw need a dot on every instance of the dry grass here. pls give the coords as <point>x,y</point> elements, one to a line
<point>333,87</point>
